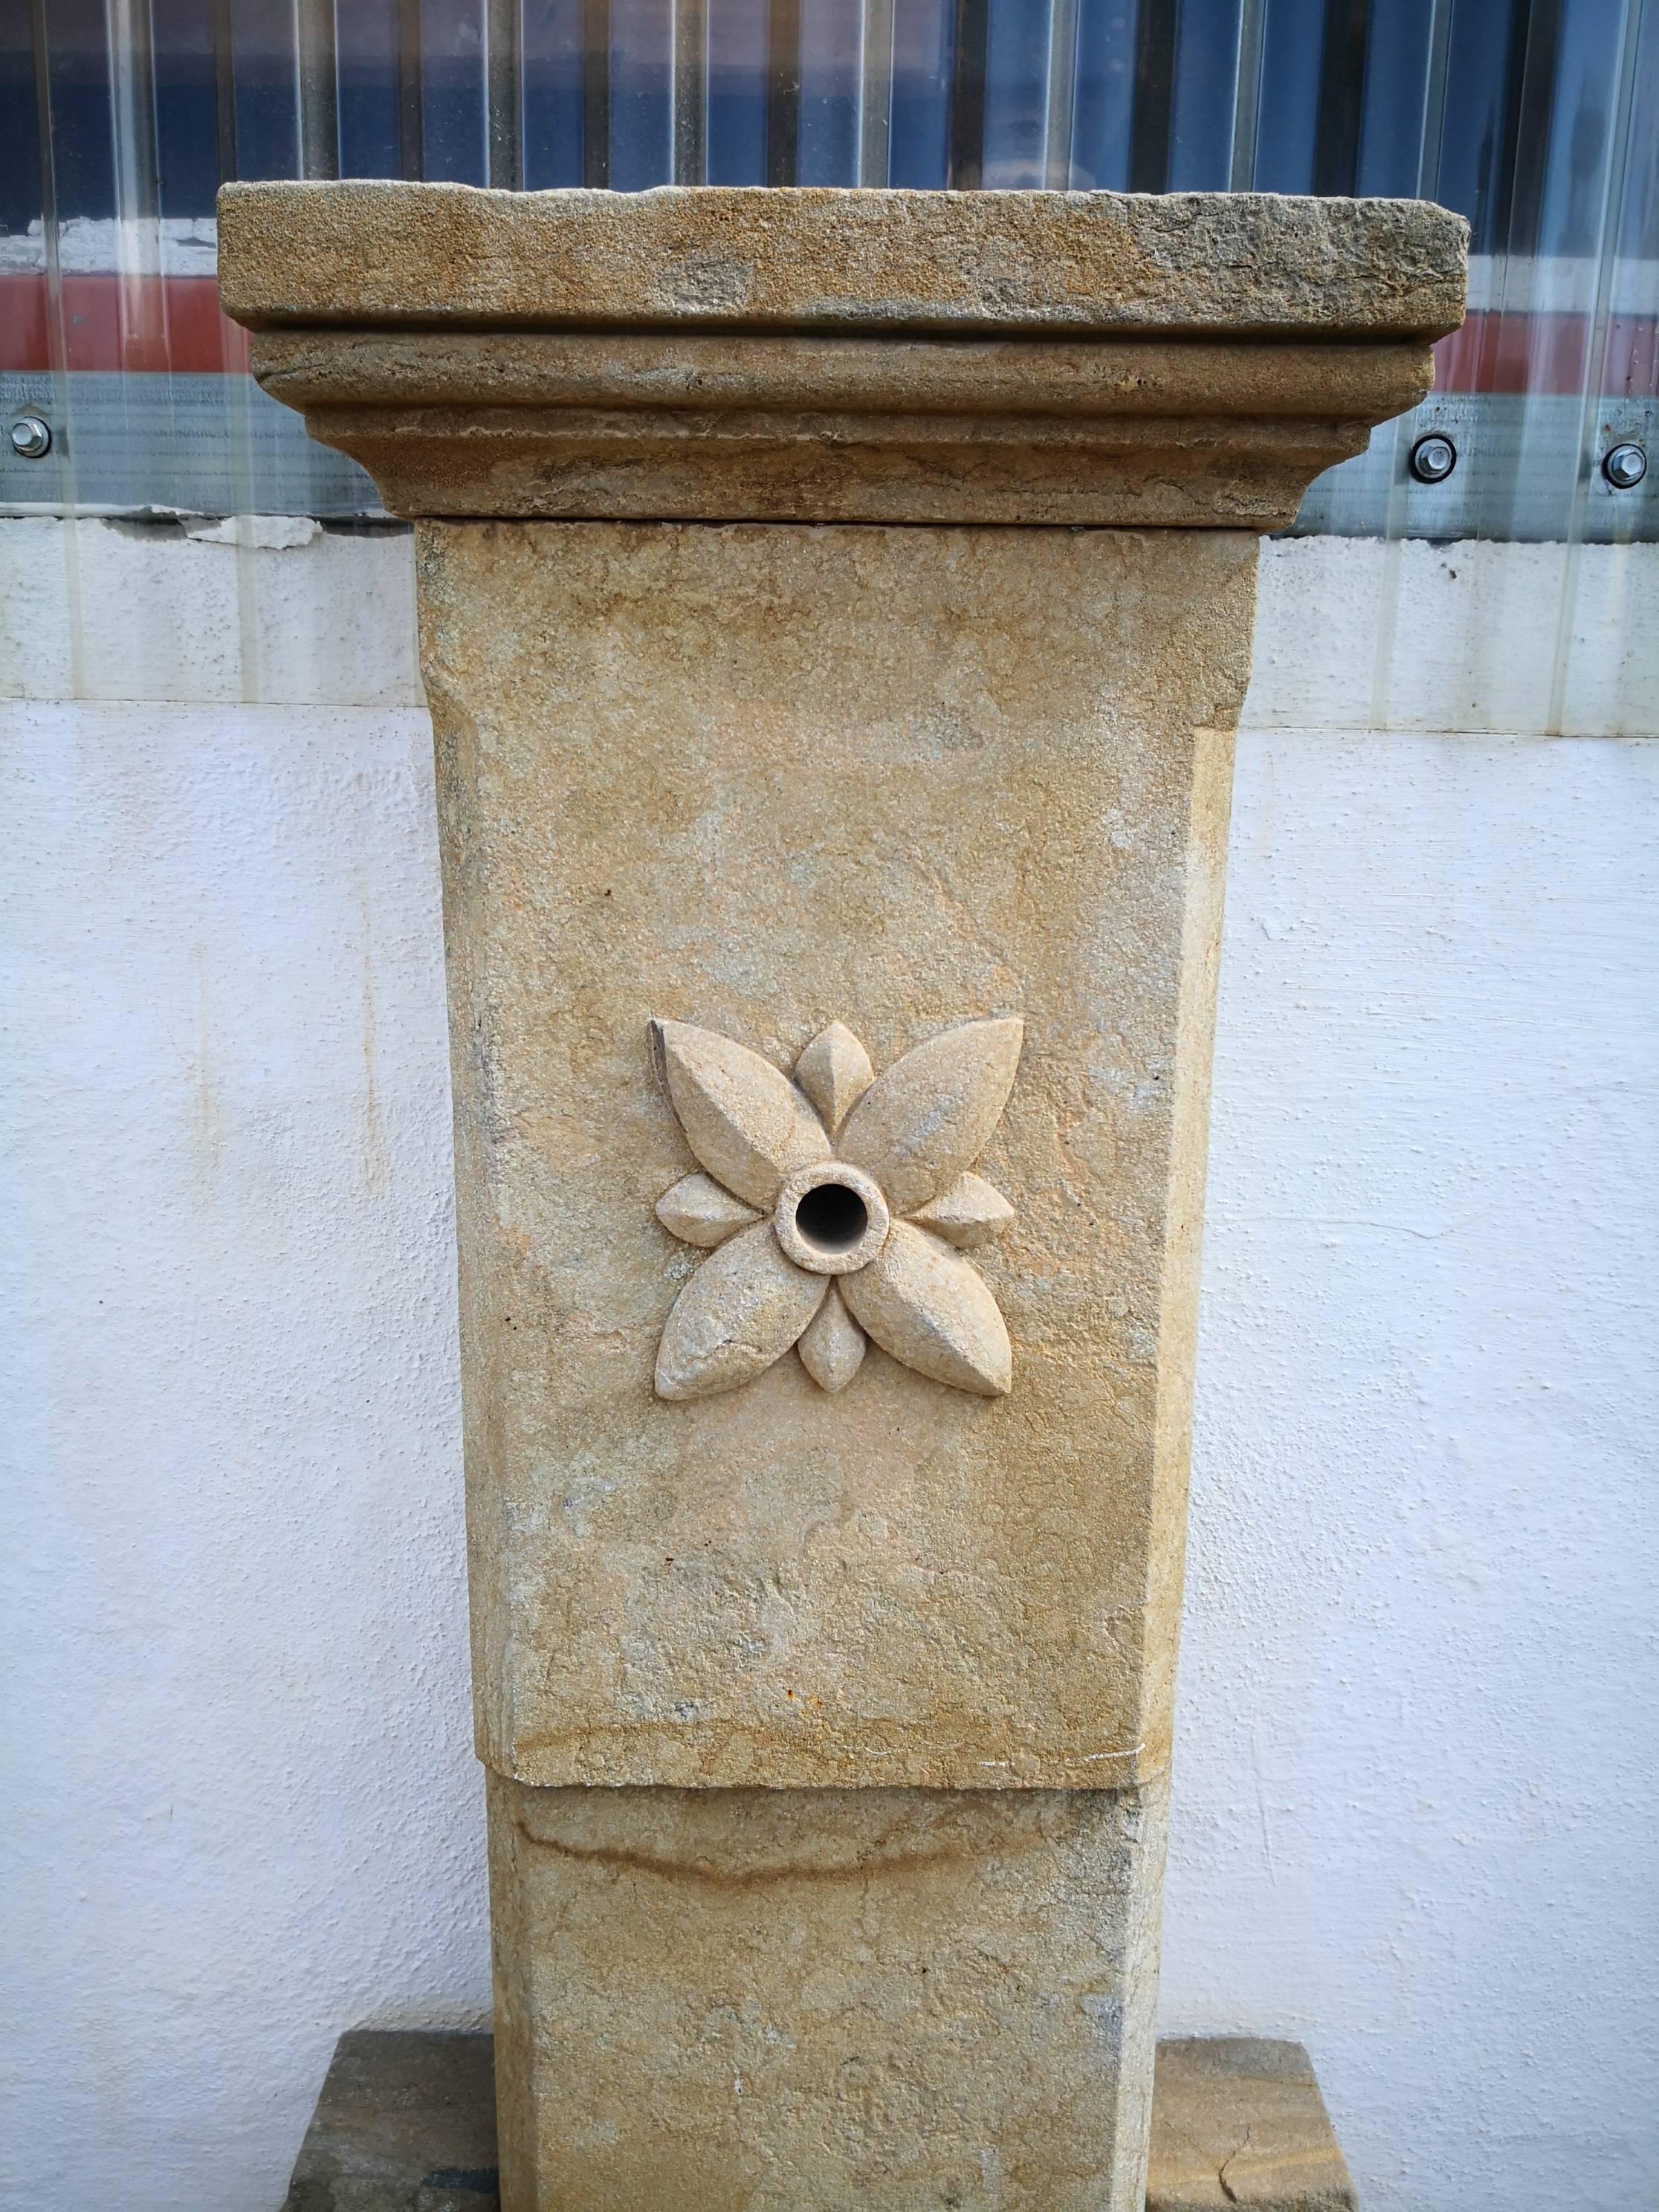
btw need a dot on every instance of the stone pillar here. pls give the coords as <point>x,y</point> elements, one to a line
<point>835,608</point>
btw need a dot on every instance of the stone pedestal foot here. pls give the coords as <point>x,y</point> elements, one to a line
<point>406,2123</point>
<point>803,2000</point>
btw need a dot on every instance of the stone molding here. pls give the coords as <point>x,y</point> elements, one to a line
<point>732,355</point>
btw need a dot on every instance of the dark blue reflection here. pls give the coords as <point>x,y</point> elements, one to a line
<point>186,128</point>
<point>1016,94</point>
<point>737,80</point>
<point>918,141</point>
<point>828,148</point>
<point>267,95</point>
<point>1639,214</point>
<point>1396,77</point>
<point>82,149</point>
<point>1206,84</point>
<point>1477,87</point>
<point>454,99</point>
<point>19,151</point>
<point>1287,127</point>
<point>1101,110</point>
<point>641,95</point>
<point>1573,180</point>
<point>552,93</point>
<point>366,36</point>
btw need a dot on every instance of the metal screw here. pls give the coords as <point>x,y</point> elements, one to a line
<point>1432,458</point>
<point>1624,466</point>
<point>31,438</point>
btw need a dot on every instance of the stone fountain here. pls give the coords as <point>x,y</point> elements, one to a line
<point>835,608</point>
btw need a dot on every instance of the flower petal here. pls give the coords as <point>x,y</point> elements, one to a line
<point>834,1073</point>
<point>743,1118</point>
<point>972,1211</point>
<point>931,1309</point>
<point>932,1114</point>
<point>831,1348</point>
<point>698,1211</point>
<point>742,1310</point>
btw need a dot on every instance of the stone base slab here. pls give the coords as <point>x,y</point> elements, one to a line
<point>406,2123</point>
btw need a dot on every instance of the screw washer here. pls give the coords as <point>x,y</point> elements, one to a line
<point>31,438</point>
<point>1624,465</point>
<point>1432,458</point>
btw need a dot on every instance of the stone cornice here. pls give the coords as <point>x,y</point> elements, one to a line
<point>1193,360</point>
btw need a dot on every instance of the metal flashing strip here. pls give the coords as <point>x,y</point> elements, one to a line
<point>126,443</point>
<point>134,443</point>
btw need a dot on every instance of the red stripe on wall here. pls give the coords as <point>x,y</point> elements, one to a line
<point>165,323</point>
<point>1496,352</point>
<point>173,323</point>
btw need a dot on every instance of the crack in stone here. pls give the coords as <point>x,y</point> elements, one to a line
<point>1227,2189</point>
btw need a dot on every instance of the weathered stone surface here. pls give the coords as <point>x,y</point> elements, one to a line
<point>1238,2121</point>
<point>729,788</point>
<point>901,1147</point>
<point>450,254</point>
<point>796,428</point>
<point>799,372</point>
<point>405,2122</point>
<point>802,2001</point>
<point>753,781</point>
<point>761,393</point>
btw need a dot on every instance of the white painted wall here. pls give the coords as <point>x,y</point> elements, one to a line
<point>1414,1821</point>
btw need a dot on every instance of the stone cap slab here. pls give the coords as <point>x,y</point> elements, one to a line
<point>1191,360</point>
<point>740,257</point>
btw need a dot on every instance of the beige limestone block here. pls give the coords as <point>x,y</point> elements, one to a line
<point>832,912</point>
<point>997,357</point>
<point>806,259</point>
<point>1238,2121</point>
<point>756,781</point>
<point>803,2001</point>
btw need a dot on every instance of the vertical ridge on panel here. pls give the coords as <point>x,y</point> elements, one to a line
<point>147,438</point>
<point>319,91</point>
<point>1063,96</point>
<point>783,37</point>
<point>690,91</point>
<point>1204,95</point>
<point>878,28</point>
<point>411,93</point>
<point>1247,96</point>
<point>504,94</point>
<point>1598,427</point>
<point>969,46</point>
<point>1400,136</point>
<point>56,333</point>
<point>596,93</point>
<point>1152,115</point>
<point>1341,97</point>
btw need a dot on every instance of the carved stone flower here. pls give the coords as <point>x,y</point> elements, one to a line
<point>838,1206</point>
